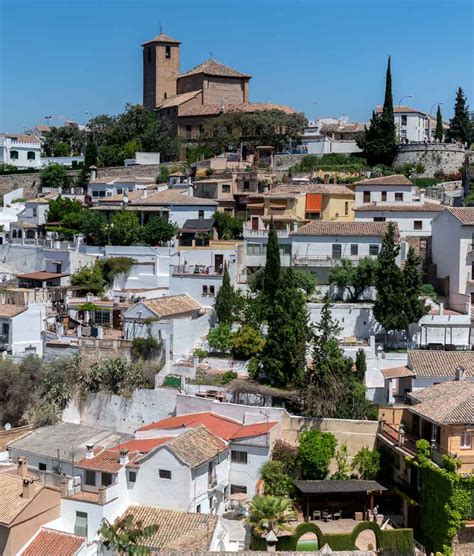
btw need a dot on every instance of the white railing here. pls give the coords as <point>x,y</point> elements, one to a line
<point>196,270</point>
<point>248,232</point>
<point>327,260</point>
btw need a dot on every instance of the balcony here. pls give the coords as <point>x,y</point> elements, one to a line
<point>327,260</point>
<point>195,270</point>
<point>263,233</point>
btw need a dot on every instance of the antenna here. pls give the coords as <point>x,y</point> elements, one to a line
<point>161,28</point>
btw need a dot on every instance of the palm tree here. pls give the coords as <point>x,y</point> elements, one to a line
<point>126,536</point>
<point>270,513</point>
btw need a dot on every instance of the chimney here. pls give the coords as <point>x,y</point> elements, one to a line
<point>145,193</point>
<point>441,308</point>
<point>123,456</point>
<point>93,171</point>
<point>28,488</point>
<point>89,451</point>
<point>326,179</point>
<point>459,373</point>
<point>64,487</point>
<point>21,468</point>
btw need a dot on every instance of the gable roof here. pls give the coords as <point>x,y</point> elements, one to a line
<point>142,445</point>
<point>169,197</point>
<point>177,100</point>
<point>223,427</point>
<point>465,215</point>
<point>397,372</point>
<point>395,179</point>
<point>401,110</point>
<point>106,460</point>
<point>196,446</point>
<point>54,543</point>
<point>8,311</point>
<point>12,502</point>
<point>431,363</point>
<point>248,107</point>
<point>172,305</point>
<point>21,137</point>
<point>358,229</point>
<point>213,67</point>
<point>400,207</point>
<point>176,530</point>
<point>448,403</point>
<point>162,37</point>
<point>294,189</point>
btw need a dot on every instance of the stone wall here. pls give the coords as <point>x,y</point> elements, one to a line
<point>435,157</point>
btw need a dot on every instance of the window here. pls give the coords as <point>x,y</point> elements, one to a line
<point>384,195</point>
<point>106,479</point>
<point>80,526</point>
<point>198,509</point>
<point>119,191</point>
<point>466,440</point>
<point>90,477</point>
<point>14,155</point>
<point>35,212</point>
<point>225,188</point>
<point>204,291</point>
<point>346,208</point>
<point>399,197</point>
<point>418,225</point>
<point>366,196</point>
<point>246,185</point>
<point>201,214</point>
<point>168,52</point>
<point>404,119</point>
<point>165,474</point>
<point>102,317</point>
<point>313,216</point>
<point>373,250</point>
<point>379,218</point>
<point>237,456</point>
<point>149,53</point>
<point>95,194</point>
<point>211,504</point>
<point>166,96</point>
<point>336,250</point>
<point>354,249</point>
<point>403,133</point>
<point>212,291</point>
<point>253,249</point>
<point>132,476</point>
<point>285,249</point>
<point>5,329</point>
<point>31,155</point>
<point>238,489</point>
<point>42,466</point>
<point>189,131</point>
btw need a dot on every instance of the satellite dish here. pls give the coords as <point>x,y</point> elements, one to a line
<point>8,426</point>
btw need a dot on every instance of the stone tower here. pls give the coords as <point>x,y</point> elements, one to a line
<point>160,69</point>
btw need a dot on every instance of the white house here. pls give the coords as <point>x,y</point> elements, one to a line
<point>22,151</point>
<point>453,253</point>
<point>413,125</point>
<point>319,246</point>
<point>22,329</point>
<point>108,187</point>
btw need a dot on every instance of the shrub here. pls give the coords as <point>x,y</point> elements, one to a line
<point>54,175</point>
<point>315,452</point>
<point>366,463</point>
<point>228,376</point>
<point>287,454</point>
<point>247,343</point>
<point>146,348</point>
<point>277,481</point>
<point>200,353</point>
<point>220,339</point>
<point>423,448</point>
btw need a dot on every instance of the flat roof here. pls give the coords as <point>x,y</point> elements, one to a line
<point>352,486</point>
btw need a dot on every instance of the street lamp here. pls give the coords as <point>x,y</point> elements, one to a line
<point>429,119</point>
<point>400,117</point>
<point>93,127</point>
<point>47,119</point>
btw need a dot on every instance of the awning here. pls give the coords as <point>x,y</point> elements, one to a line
<point>352,486</point>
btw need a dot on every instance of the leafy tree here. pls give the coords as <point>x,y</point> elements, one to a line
<point>126,536</point>
<point>366,463</point>
<point>315,452</point>
<point>287,454</point>
<point>276,479</point>
<point>460,125</point>
<point>158,231</point>
<point>360,365</point>
<point>60,207</point>
<point>124,228</point>
<point>342,461</point>
<point>61,149</point>
<point>54,175</point>
<point>247,343</point>
<point>90,156</point>
<point>269,513</point>
<point>227,226</point>
<point>225,300</point>
<point>93,224</point>
<point>306,281</point>
<point>221,338</point>
<point>272,274</point>
<point>283,358</point>
<point>414,307</point>
<point>163,175</point>
<point>89,278</point>
<point>390,285</point>
<point>354,279</point>
<point>69,135</point>
<point>439,132</point>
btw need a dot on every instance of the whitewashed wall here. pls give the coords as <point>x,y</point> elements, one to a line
<point>376,194</point>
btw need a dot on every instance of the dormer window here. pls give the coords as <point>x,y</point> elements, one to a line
<point>168,52</point>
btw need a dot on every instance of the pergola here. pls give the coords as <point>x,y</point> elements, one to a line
<point>350,496</point>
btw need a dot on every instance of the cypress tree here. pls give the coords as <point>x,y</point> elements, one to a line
<point>459,125</point>
<point>414,307</point>
<point>225,300</point>
<point>283,358</point>
<point>360,365</point>
<point>388,306</point>
<point>272,273</point>
<point>439,132</point>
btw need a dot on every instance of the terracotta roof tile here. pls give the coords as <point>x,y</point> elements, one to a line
<point>401,207</point>
<point>177,100</point>
<point>401,110</point>
<point>21,137</point>
<point>447,403</point>
<point>301,189</point>
<point>196,446</point>
<point>106,460</point>
<point>142,445</point>
<point>397,372</point>
<point>213,67</point>
<point>8,311</point>
<point>172,305</point>
<point>162,37</point>
<point>465,215</point>
<point>426,363</point>
<point>359,229</point>
<point>42,275</point>
<point>54,543</point>
<point>215,109</point>
<point>171,197</point>
<point>12,502</point>
<point>176,530</point>
<point>395,179</point>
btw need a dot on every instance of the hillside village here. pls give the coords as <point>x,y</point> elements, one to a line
<point>238,330</point>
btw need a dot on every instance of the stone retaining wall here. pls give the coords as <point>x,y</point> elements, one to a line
<point>447,158</point>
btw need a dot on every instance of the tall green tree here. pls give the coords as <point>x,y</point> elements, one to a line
<point>272,274</point>
<point>439,132</point>
<point>283,358</point>
<point>124,228</point>
<point>414,307</point>
<point>354,279</point>
<point>460,125</point>
<point>54,175</point>
<point>388,306</point>
<point>315,452</point>
<point>158,230</point>
<point>225,300</point>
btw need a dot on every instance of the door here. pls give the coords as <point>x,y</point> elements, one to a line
<point>254,223</point>
<point>219,263</point>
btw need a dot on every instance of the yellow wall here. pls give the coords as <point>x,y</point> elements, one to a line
<point>334,208</point>
<point>451,440</point>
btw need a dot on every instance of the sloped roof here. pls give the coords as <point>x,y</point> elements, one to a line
<point>397,372</point>
<point>8,311</point>
<point>328,486</point>
<point>162,37</point>
<point>198,225</point>
<point>142,445</point>
<point>431,363</point>
<point>465,215</point>
<point>54,543</point>
<point>42,275</point>
<point>172,305</point>
<point>177,100</point>
<point>12,502</point>
<point>250,107</point>
<point>400,207</point>
<point>292,190</point>
<point>395,179</point>
<point>175,530</point>
<point>196,446</point>
<point>359,229</point>
<point>106,460</point>
<point>21,137</point>
<point>448,403</point>
<point>170,197</point>
<point>401,110</point>
<point>213,67</point>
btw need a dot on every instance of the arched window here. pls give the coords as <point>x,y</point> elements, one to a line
<point>14,234</point>
<point>30,234</point>
<point>31,155</point>
<point>14,155</point>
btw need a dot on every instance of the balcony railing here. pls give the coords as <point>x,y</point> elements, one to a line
<point>327,260</point>
<point>196,270</point>
<point>249,232</point>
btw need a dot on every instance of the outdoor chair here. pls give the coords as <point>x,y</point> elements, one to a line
<point>316,514</point>
<point>337,515</point>
<point>326,516</point>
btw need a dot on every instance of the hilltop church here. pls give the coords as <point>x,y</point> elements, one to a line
<point>190,99</point>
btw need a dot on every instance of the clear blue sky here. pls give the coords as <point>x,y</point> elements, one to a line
<point>66,57</point>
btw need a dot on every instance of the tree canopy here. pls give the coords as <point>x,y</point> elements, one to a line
<point>316,449</point>
<point>439,131</point>
<point>460,128</point>
<point>54,175</point>
<point>354,279</point>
